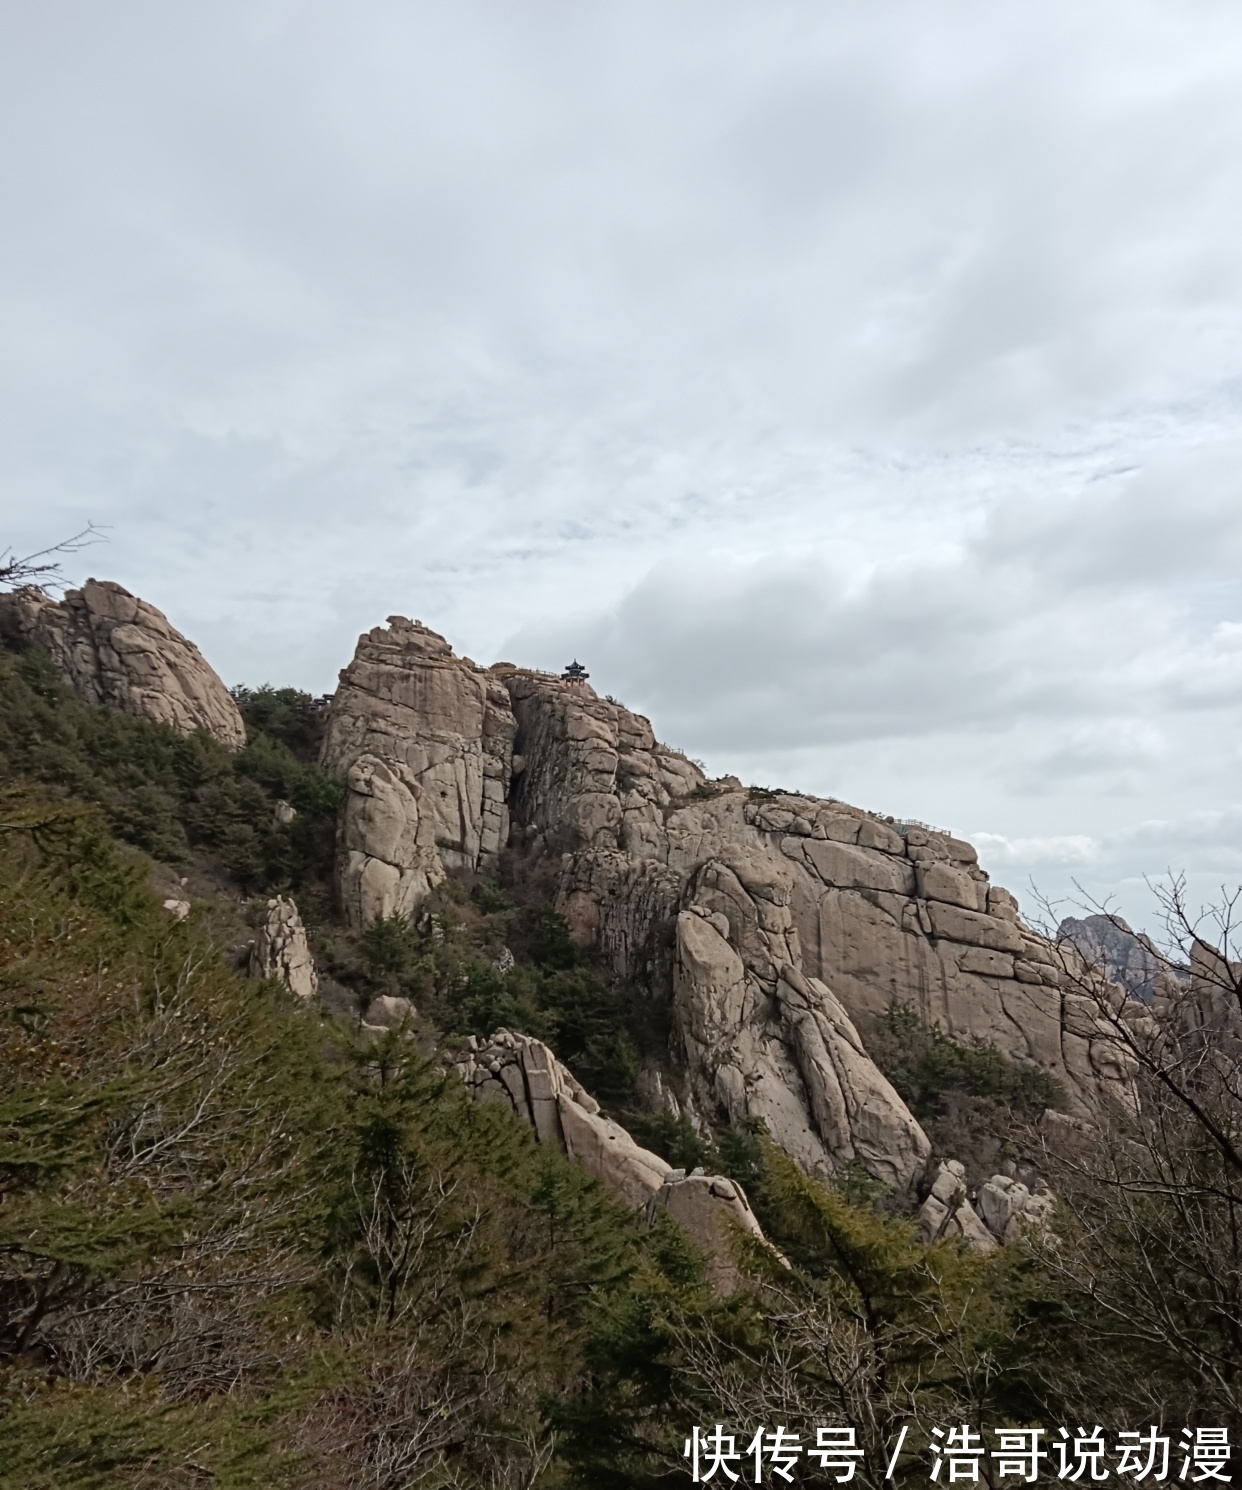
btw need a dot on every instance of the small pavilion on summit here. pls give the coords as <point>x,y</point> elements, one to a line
<point>575,674</point>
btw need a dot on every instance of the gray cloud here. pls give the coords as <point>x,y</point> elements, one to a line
<point>857,385</point>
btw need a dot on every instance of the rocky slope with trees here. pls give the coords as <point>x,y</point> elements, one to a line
<point>454,1086</point>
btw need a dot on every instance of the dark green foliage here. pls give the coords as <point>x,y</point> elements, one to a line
<point>675,1139</point>
<point>286,715</point>
<point>736,1151</point>
<point>373,1259</point>
<point>166,794</point>
<point>552,948</point>
<point>597,1026</point>
<point>970,1099</point>
<point>924,1065</point>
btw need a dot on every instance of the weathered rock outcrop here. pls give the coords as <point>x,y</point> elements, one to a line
<point>712,1210</point>
<point>874,909</point>
<point>386,859</point>
<point>1125,958</point>
<point>947,1213</point>
<point>523,1075</point>
<point>1010,1209</point>
<point>405,698</point>
<point>117,650</point>
<point>772,922</point>
<point>280,950</point>
<point>764,1041</point>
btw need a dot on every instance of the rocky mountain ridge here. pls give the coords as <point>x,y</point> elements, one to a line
<point>769,921</point>
<point>770,925</point>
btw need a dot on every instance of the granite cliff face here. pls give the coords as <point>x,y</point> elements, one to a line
<point>770,922</point>
<point>771,925</point>
<point>117,650</point>
<point>405,698</point>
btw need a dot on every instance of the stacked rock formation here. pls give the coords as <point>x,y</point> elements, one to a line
<point>280,950</point>
<point>424,741</point>
<point>770,922</point>
<point>947,1214</point>
<point>524,1076</point>
<point>1010,1209</point>
<point>117,650</point>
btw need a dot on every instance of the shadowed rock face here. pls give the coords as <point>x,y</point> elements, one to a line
<point>117,650</point>
<point>1108,943</point>
<point>770,922</point>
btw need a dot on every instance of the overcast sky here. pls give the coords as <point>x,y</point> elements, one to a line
<point>853,387</point>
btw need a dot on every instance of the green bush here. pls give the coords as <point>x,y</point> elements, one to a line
<point>285,715</point>
<point>165,793</point>
<point>926,1066</point>
<point>234,1247</point>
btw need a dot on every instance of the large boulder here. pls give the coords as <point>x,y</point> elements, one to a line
<point>280,950</point>
<point>117,650</point>
<point>716,1213</point>
<point>880,911</point>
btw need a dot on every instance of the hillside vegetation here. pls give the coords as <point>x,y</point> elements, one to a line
<point>239,1247</point>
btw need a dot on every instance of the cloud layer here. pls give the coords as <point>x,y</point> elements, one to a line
<point>854,387</point>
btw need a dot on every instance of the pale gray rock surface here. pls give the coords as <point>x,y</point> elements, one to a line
<point>878,915</point>
<point>947,1213</point>
<point>522,1074</point>
<point>386,861</point>
<point>1009,1209</point>
<point>716,1213</point>
<point>764,1041</point>
<point>406,699</point>
<point>773,923</point>
<point>280,950</point>
<point>118,651</point>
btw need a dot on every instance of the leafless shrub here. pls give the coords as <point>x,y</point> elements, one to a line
<point>196,1119</point>
<point>42,570</point>
<point>1148,1245</point>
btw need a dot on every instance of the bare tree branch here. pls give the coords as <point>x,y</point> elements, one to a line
<point>42,570</point>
